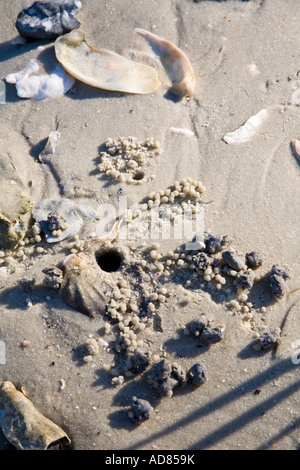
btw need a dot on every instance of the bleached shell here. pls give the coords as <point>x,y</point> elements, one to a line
<point>181,131</point>
<point>175,62</point>
<point>248,130</point>
<point>32,67</point>
<point>85,286</point>
<point>76,215</point>
<point>102,68</point>
<point>23,425</point>
<point>41,87</point>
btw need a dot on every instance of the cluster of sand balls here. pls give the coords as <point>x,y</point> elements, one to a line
<point>32,241</point>
<point>128,327</point>
<point>212,271</point>
<point>126,160</point>
<point>76,245</point>
<point>56,223</point>
<point>123,301</point>
<point>183,193</point>
<point>164,208</point>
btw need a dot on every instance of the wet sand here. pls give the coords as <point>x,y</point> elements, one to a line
<point>245,56</point>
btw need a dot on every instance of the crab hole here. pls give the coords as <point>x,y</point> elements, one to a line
<point>109,260</point>
<point>139,175</point>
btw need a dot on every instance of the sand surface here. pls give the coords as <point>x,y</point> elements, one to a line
<point>253,194</point>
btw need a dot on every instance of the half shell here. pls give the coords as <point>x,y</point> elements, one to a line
<point>85,286</point>
<point>75,216</point>
<point>175,62</point>
<point>102,68</point>
<point>23,425</point>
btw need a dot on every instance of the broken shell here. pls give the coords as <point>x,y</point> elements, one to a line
<point>248,130</point>
<point>181,131</point>
<point>32,67</point>
<point>102,68</point>
<point>175,62</point>
<point>75,215</point>
<point>85,286</point>
<point>41,87</point>
<point>14,215</point>
<point>88,281</point>
<point>23,425</point>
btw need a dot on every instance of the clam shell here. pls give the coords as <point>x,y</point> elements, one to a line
<point>85,286</point>
<point>175,62</point>
<point>76,215</point>
<point>102,68</point>
<point>23,425</point>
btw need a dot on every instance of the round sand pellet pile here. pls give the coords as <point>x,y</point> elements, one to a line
<point>128,161</point>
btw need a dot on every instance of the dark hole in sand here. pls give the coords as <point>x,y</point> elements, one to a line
<point>110,260</point>
<point>139,175</point>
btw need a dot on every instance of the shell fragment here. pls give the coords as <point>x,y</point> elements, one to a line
<point>41,87</point>
<point>23,425</point>
<point>248,130</point>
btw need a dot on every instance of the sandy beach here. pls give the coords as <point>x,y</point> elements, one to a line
<point>245,57</point>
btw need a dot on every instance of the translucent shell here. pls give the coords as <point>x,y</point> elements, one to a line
<point>102,68</point>
<point>175,62</point>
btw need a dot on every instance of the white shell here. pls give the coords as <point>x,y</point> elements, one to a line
<point>248,130</point>
<point>181,131</point>
<point>40,87</point>
<point>102,68</point>
<point>32,67</point>
<point>75,215</point>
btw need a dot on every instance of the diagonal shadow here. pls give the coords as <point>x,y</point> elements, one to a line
<point>245,418</point>
<point>9,50</point>
<point>276,370</point>
<point>284,432</point>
